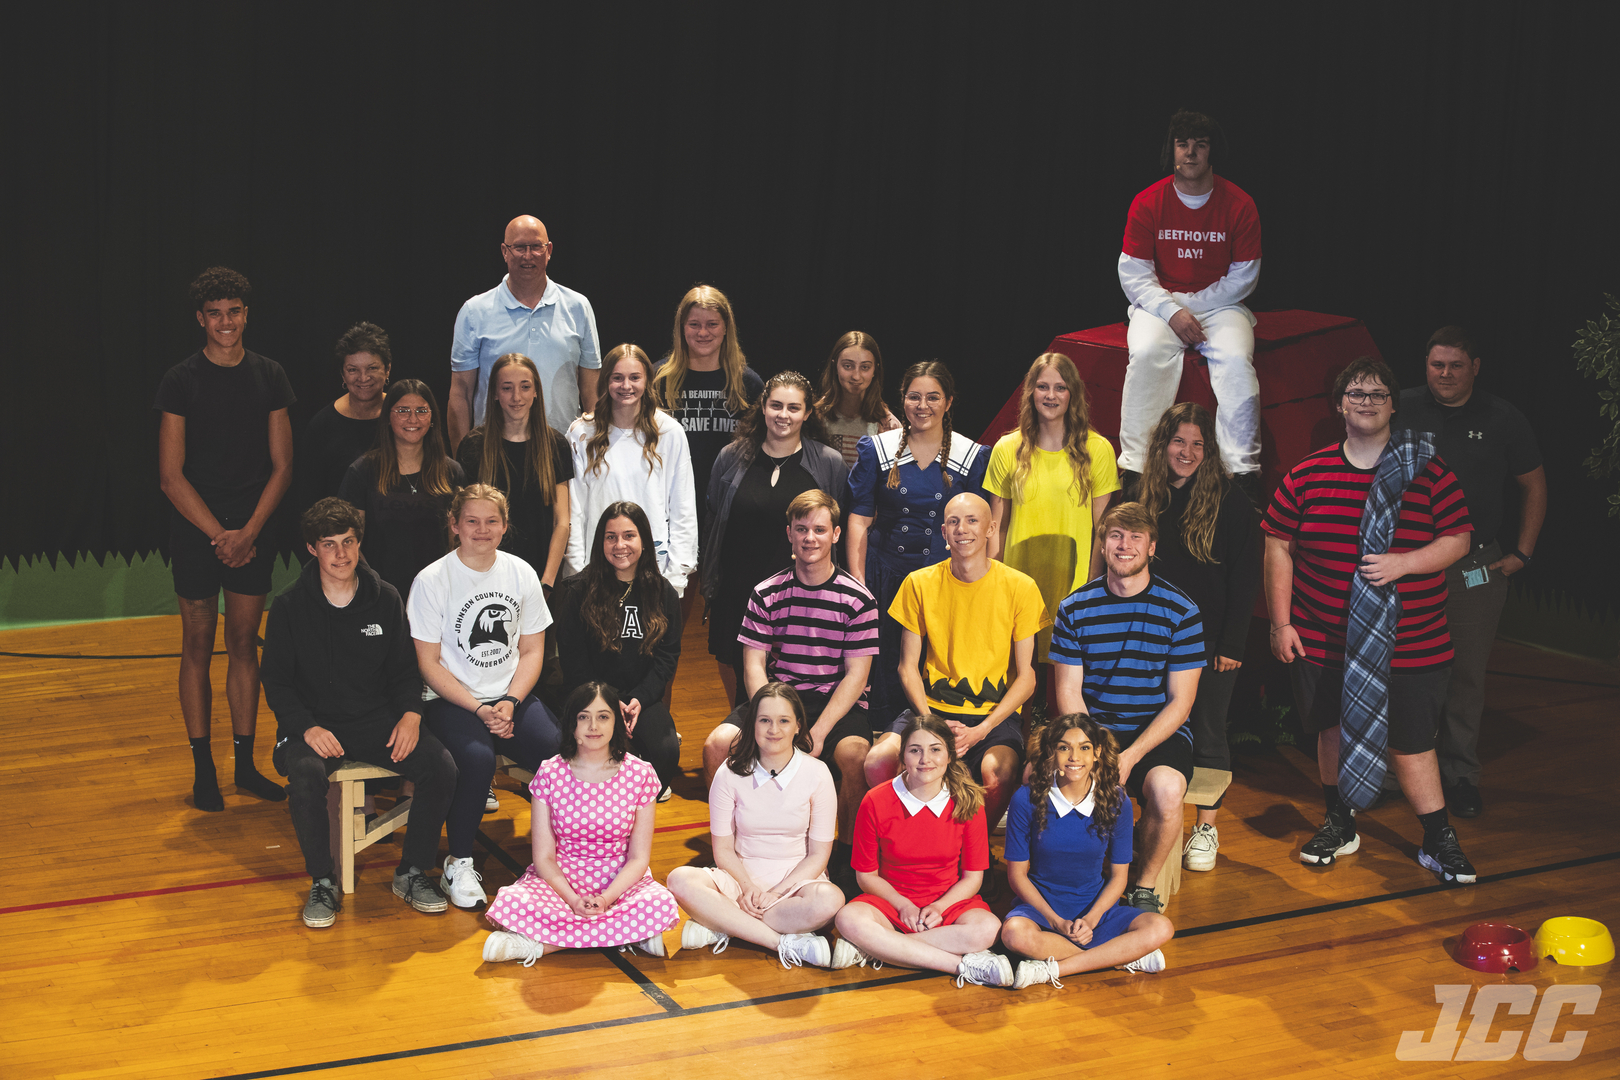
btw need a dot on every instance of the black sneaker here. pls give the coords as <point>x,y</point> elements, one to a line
<point>1333,839</point>
<point>323,905</point>
<point>1462,799</point>
<point>1445,859</point>
<point>1142,898</point>
<point>420,891</point>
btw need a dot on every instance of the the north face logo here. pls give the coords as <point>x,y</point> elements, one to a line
<point>371,630</point>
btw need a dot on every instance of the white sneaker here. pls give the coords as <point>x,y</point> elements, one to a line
<point>664,945</point>
<point>694,935</point>
<point>1152,963</point>
<point>794,950</point>
<point>508,945</point>
<point>845,954</point>
<point>1202,845</point>
<point>491,803</point>
<point>460,883</point>
<point>985,969</point>
<point>1035,972</point>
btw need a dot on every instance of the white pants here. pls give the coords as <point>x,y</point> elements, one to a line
<point>1154,374</point>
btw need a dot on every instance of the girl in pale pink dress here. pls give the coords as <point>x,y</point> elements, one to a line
<point>773,816</point>
<point>592,829</point>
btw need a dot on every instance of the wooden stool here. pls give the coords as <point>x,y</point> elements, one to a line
<point>346,803</point>
<point>1207,786</point>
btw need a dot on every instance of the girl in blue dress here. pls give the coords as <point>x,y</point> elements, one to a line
<point>897,505</point>
<point>1068,858</point>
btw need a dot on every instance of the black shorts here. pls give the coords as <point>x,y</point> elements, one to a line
<point>1010,732</point>
<point>1174,753</point>
<point>1416,702</point>
<point>198,573</point>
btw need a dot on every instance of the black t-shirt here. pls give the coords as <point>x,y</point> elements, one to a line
<point>405,529</point>
<point>330,445</point>
<point>756,544</point>
<point>709,423</point>
<point>227,413</point>
<point>1485,441</point>
<point>531,518</point>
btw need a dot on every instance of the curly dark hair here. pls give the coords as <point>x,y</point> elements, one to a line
<point>220,283</point>
<point>1105,784</point>
<point>1186,124</point>
<point>578,702</point>
<point>363,337</point>
<point>750,432</point>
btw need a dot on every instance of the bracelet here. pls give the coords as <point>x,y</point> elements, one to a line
<point>1284,626</point>
<point>1521,556</point>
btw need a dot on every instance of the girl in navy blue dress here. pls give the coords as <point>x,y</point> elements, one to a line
<point>1068,857</point>
<point>897,505</point>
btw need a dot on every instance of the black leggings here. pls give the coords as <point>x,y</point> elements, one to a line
<point>534,739</point>
<point>655,741</point>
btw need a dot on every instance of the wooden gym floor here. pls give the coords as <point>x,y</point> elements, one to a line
<point>142,938</point>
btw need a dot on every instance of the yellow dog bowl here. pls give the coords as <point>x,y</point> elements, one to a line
<point>1570,939</point>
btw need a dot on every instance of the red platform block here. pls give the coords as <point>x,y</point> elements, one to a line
<point>1297,356</point>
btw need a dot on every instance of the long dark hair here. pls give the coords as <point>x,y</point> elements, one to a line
<point>750,433</point>
<point>745,747</point>
<point>537,461</point>
<point>967,795</point>
<point>578,702</point>
<point>926,369</point>
<point>600,607</point>
<point>435,474</point>
<point>873,408</point>
<point>1104,773</point>
<point>1206,489</point>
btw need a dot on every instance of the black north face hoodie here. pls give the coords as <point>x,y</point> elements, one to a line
<point>330,667</point>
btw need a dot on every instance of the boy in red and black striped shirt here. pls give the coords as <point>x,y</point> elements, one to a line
<point>1312,552</point>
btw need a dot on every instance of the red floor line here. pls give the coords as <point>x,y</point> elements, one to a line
<point>164,892</point>
<point>704,824</point>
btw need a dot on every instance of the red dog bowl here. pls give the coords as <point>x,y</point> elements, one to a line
<point>1496,947</point>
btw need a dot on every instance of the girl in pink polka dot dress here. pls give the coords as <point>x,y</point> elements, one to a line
<point>592,827</point>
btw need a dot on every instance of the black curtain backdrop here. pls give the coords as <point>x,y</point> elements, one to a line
<point>950,177</point>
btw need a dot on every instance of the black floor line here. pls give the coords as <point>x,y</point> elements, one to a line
<point>673,1010</point>
<point>496,850</point>
<point>648,987</point>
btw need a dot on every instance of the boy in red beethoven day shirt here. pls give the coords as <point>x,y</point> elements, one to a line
<point>1191,255</point>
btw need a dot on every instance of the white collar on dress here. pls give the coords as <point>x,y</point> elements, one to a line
<point>784,776</point>
<point>1063,806</point>
<point>913,804</point>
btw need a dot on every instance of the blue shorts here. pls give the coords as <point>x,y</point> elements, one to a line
<point>1115,921</point>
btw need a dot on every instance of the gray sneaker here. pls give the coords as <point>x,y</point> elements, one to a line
<point>321,909</point>
<point>419,891</point>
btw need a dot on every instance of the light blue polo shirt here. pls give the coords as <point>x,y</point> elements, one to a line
<point>559,335</point>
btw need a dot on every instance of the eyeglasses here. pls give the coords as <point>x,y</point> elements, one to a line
<point>1373,397</point>
<point>918,399</point>
<point>528,249</point>
<point>406,410</point>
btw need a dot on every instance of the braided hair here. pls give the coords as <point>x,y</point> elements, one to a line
<point>926,369</point>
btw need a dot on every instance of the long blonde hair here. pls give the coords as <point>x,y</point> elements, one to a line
<point>1207,486</point>
<point>1076,426</point>
<point>537,460</point>
<point>926,369</point>
<point>672,376</point>
<point>967,795</point>
<point>646,419</point>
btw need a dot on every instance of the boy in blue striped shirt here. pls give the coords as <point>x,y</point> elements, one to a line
<point>1127,649</point>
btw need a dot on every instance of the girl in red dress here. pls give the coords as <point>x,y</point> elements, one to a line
<point>920,852</point>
